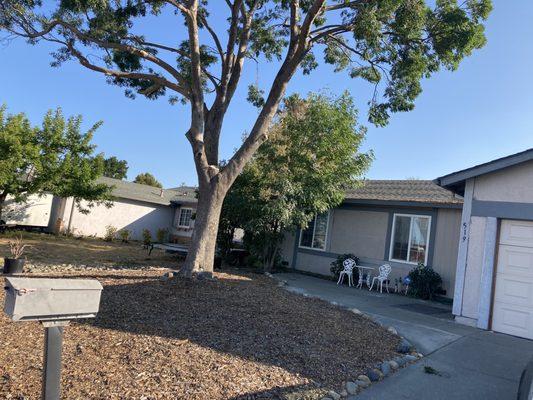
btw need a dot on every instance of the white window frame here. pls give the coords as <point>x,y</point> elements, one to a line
<point>179,217</point>
<point>313,238</point>
<point>411,216</point>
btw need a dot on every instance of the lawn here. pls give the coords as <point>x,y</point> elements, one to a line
<point>239,336</point>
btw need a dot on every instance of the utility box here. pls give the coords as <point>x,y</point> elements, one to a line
<point>48,300</point>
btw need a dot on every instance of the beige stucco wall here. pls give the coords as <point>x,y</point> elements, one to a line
<point>315,264</point>
<point>363,233</point>
<point>125,214</point>
<point>513,184</point>
<point>446,245</point>
<point>34,211</point>
<point>287,247</point>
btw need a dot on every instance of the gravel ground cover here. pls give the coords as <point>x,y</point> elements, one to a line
<point>239,336</point>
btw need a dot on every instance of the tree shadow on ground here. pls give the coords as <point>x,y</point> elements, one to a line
<point>248,316</point>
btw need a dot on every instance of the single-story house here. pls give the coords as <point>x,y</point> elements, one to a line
<point>494,277</point>
<point>136,207</point>
<point>399,222</point>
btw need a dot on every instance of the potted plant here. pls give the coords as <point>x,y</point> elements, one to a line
<point>15,264</point>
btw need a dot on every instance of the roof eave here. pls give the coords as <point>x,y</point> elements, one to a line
<point>456,180</point>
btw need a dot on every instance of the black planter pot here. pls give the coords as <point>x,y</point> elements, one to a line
<point>13,265</point>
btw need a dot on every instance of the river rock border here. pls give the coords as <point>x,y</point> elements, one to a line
<point>380,371</point>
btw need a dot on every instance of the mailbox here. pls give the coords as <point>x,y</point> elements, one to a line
<point>40,299</point>
<point>54,303</point>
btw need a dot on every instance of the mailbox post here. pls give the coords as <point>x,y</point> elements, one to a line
<point>54,303</point>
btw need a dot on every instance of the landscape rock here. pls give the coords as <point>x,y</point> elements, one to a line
<point>404,347</point>
<point>356,311</point>
<point>394,365</point>
<point>392,330</point>
<point>334,395</point>
<point>363,384</point>
<point>409,358</point>
<point>385,368</point>
<point>374,375</point>
<point>401,361</point>
<point>351,387</point>
<point>364,378</point>
<point>344,393</point>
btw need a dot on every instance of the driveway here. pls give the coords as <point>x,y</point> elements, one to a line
<point>469,363</point>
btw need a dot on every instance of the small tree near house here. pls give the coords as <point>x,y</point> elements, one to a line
<point>391,44</point>
<point>147,178</point>
<point>303,170</point>
<point>56,158</point>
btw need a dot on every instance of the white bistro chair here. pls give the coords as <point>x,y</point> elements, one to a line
<point>348,265</point>
<point>384,272</point>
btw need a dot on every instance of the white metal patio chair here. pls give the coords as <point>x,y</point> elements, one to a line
<point>384,272</point>
<point>348,265</point>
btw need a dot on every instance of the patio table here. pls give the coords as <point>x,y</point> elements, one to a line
<point>361,270</point>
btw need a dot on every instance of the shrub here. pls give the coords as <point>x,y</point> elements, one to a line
<point>147,237</point>
<point>425,282</point>
<point>110,233</point>
<point>337,267</point>
<point>124,235</point>
<point>161,235</point>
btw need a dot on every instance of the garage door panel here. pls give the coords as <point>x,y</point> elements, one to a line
<point>513,294</point>
<point>515,260</point>
<point>514,320</point>
<point>514,291</point>
<point>516,233</point>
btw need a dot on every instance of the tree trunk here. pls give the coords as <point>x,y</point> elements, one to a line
<point>201,255</point>
<point>3,197</point>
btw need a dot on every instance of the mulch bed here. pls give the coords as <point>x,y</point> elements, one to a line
<point>237,337</point>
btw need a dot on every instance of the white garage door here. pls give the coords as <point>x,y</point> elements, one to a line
<point>513,296</point>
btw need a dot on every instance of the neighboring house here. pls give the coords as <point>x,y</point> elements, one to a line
<point>136,207</point>
<point>399,222</point>
<point>494,278</point>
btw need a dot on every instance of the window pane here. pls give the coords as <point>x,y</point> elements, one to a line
<point>321,227</point>
<point>307,234</point>
<point>400,237</point>
<point>419,240</point>
<point>185,217</point>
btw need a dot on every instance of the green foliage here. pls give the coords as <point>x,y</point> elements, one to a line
<point>162,235</point>
<point>425,282</point>
<point>393,44</point>
<point>124,235</point>
<point>337,267</point>
<point>110,233</point>
<point>56,157</point>
<point>304,168</point>
<point>147,237</point>
<point>115,168</point>
<point>147,179</point>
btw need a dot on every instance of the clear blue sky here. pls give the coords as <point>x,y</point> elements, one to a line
<point>478,113</point>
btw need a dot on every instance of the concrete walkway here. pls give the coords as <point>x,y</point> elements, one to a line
<point>470,363</point>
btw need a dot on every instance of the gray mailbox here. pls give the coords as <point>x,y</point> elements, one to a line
<point>54,303</point>
<point>40,299</point>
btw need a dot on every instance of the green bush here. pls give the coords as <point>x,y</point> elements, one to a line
<point>161,235</point>
<point>337,267</point>
<point>124,235</point>
<point>110,233</point>
<point>425,282</point>
<point>147,237</point>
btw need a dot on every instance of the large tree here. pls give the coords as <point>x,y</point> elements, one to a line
<point>147,178</point>
<point>305,168</point>
<point>56,158</point>
<point>393,44</point>
<point>115,168</point>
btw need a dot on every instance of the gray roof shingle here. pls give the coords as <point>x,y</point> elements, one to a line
<point>420,191</point>
<point>149,194</point>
